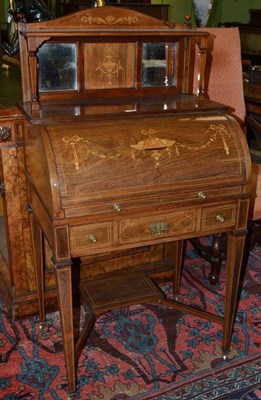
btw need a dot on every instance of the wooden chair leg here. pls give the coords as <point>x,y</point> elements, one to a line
<point>214,254</point>
<point>177,260</point>
<point>217,257</point>
<point>254,234</point>
<point>253,238</point>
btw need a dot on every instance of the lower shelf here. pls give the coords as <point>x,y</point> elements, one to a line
<point>117,290</point>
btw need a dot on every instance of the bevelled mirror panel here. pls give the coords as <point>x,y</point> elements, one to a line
<point>57,67</point>
<point>159,64</point>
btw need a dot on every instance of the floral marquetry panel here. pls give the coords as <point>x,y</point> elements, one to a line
<point>109,65</point>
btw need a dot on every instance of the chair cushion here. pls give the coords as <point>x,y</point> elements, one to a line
<point>224,78</point>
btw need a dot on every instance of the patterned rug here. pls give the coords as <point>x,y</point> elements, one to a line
<point>144,351</point>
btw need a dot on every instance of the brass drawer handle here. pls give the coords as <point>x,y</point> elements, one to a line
<point>117,207</point>
<point>159,227</point>
<point>92,238</point>
<point>202,195</point>
<point>220,218</point>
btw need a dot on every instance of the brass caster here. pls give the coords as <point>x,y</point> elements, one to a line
<point>42,325</point>
<point>225,354</point>
<point>213,279</point>
<point>71,396</point>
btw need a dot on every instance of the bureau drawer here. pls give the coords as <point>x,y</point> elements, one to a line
<point>218,217</point>
<point>142,229</point>
<point>87,238</point>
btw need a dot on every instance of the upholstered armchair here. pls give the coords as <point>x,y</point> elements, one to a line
<point>224,81</point>
<point>224,84</point>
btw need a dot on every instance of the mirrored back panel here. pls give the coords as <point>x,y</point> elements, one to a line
<point>159,64</point>
<point>57,67</point>
<point>106,66</point>
<point>108,52</point>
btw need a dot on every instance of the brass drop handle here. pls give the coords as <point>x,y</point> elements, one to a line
<point>92,238</point>
<point>202,195</point>
<point>117,207</point>
<point>159,227</point>
<point>220,218</point>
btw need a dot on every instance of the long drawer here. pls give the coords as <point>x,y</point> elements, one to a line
<point>151,228</point>
<point>136,230</point>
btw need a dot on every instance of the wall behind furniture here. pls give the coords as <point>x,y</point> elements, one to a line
<point>222,11</point>
<point>238,10</point>
<point>3,13</point>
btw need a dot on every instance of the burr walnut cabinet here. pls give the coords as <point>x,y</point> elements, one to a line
<point>120,155</point>
<point>17,282</point>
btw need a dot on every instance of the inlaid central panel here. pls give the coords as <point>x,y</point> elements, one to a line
<point>109,65</point>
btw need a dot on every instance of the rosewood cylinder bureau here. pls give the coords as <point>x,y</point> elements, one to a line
<point>119,154</point>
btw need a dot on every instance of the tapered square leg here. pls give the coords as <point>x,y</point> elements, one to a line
<point>235,251</point>
<point>64,287</point>
<point>177,260</point>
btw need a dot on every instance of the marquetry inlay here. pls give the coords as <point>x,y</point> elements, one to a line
<point>5,133</point>
<point>78,143</point>
<point>158,145</point>
<point>152,146</point>
<point>110,67</point>
<point>110,20</point>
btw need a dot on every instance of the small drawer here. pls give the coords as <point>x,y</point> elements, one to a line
<point>219,216</point>
<point>86,239</point>
<point>138,230</point>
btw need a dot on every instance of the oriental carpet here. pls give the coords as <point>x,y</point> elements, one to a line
<point>144,351</point>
